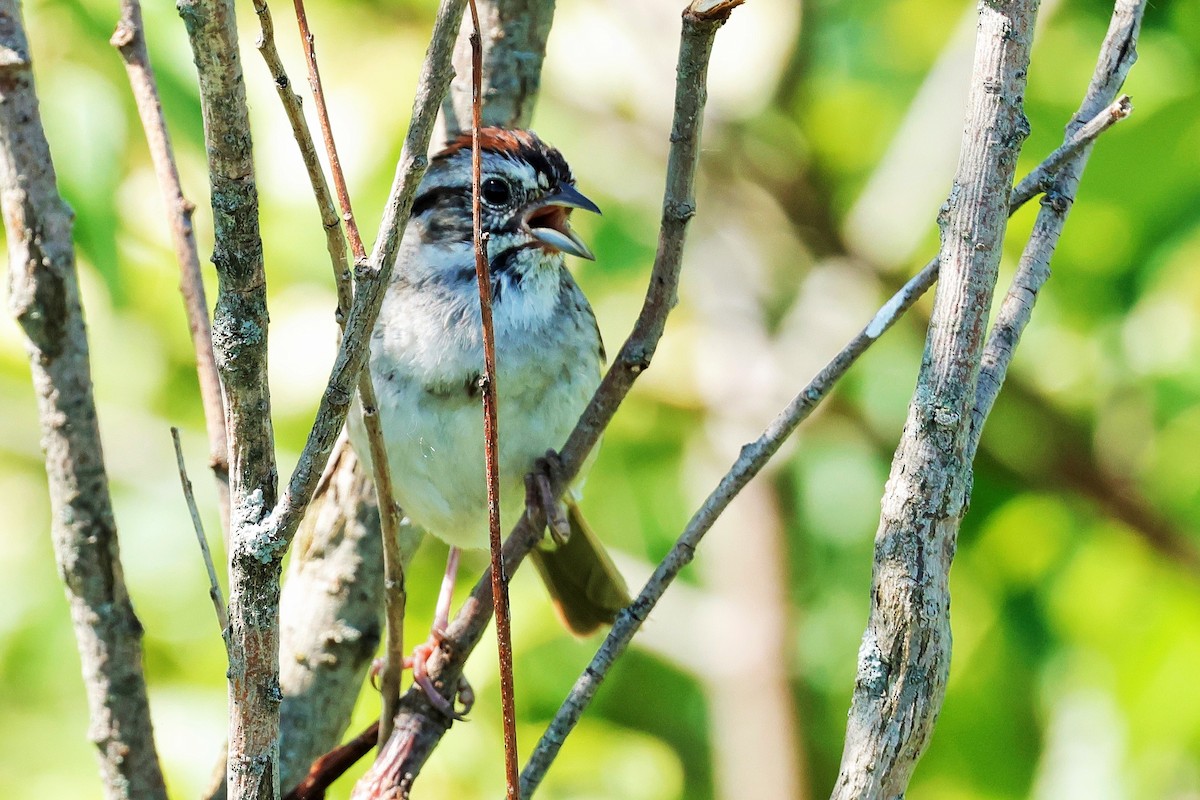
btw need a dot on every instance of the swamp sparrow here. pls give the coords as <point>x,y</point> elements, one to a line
<point>427,356</point>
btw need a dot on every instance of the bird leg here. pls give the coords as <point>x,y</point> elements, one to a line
<point>437,634</point>
<point>539,494</point>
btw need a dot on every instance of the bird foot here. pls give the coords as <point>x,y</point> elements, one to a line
<point>418,663</point>
<point>539,494</point>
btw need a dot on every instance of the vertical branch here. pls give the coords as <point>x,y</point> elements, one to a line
<point>129,39</point>
<point>44,301</point>
<point>240,345</point>
<point>513,36</point>
<point>491,424</point>
<point>905,653</point>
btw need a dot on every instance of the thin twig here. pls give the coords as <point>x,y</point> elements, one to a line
<point>372,276</point>
<point>214,586</point>
<point>418,725</point>
<point>129,39</point>
<point>491,424</point>
<point>1080,136</point>
<point>44,302</point>
<point>335,242</point>
<point>750,461</point>
<point>335,163</point>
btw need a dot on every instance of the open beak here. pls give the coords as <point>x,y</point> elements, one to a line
<point>548,222</point>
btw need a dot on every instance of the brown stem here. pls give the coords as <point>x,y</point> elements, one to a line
<point>491,425</point>
<point>129,39</point>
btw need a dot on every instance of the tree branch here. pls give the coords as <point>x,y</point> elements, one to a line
<point>749,463</point>
<point>905,654</point>
<point>418,725</point>
<point>214,587</point>
<point>1118,53</point>
<point>240,345</point>
<point>513,36</point>
<point>130,41</point>
<point>44,301</point>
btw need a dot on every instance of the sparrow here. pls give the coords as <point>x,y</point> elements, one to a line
<point>427,359</point>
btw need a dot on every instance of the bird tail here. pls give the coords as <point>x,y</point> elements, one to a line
<point>584,583</point>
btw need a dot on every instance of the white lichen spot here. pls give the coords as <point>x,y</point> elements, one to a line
<point>885,316</point>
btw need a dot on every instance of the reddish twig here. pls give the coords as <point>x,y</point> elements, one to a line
<point>490,423</point>
<point>331,766</point>
<point>335,164</point>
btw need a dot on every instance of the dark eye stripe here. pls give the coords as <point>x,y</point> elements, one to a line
<point>436,196</point>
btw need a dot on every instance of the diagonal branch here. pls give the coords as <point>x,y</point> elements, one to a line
<point>749,463</point>
<point>129,39</point>
<point>44,301</point>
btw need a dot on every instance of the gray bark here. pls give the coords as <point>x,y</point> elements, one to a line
<point>44,300</point>
<point>905,654</point>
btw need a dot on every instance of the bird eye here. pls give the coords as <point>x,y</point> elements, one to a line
<point>495,192</point>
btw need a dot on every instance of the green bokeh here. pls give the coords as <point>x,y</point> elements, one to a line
<point>1076,631</point>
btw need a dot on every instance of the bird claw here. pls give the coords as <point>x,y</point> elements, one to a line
<point>463,692</point>
<point>539,494</point>
<point>417,662</point>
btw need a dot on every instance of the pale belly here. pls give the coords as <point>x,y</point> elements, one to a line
<point>434,435</point>
<point>435,451</point>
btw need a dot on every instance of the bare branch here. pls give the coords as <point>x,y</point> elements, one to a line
<point>214,587</point>
<point>372,277</point>
<point>491,446</point>
<point>418,725</point>
<point>44,301</point>
<point>1080,136</point>
<point>905,655</point>
<point>335,242</point>
<point>129,39</point>
<point>331,766</point>
<point>1117,55</point>
<point>514,34</point>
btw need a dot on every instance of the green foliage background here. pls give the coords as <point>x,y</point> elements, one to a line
<point>1076,632</point>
